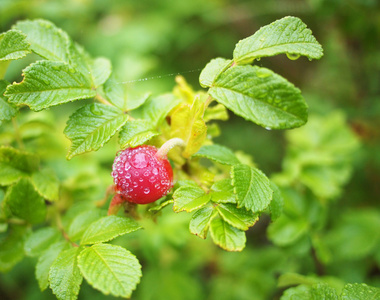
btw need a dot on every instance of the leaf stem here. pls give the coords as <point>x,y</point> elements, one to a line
<point>168,145</point>
<point>102,100</point>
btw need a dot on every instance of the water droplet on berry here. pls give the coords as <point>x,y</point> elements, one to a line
<point>140,160</point>
<point>135,184</point>
<point>146,191</point>
<point>128,175</point>
<point>146,174</point>
<point>141,180</point>
<point>152,179</point>
<point>155,171</point>
<point>127,166</point>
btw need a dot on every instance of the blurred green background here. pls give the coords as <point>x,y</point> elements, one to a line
<point>156,40</point>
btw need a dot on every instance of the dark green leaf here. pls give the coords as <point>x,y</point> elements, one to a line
<point>226,236</point>
<point>47,84</point>
<point>108,228</point>
<point>277,203</point>
<point>288,35</point>
<point>110,269</point>
<point>251,187</point>
<point>91,126</point>
<point>25,203</point>
<point>261,96</point>
<point>64,276</point>
<point>12,248</point>
<point>218,153</point>
<point>285,231</point>
<point>223,192</point>
<point>13,45</point>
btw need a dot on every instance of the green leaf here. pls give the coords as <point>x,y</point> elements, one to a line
<point>46,184</point>
<point>47,84</point>
<point>251,187</point>
<point>277,203</point>
<point>216,112</point>
<point>108,228</point>
<point>187,124</point>
<point>135,133</point>
<point>360,291</point>
<point>40,240</point>
<point>288,35</point>
<point>91,126</point>
<point>82,221</point>
<point>15,164</point>
<point>100,70</point>
<point>123,97</point>
<point>64,276</point>
<point>7,110</point>
<point>218,153</point>
<point>155,109</point>
<point>200,221</point>
<point>13,45</point>
<point>226,236</point>
<point>45,39</point>
<point>223,192</point>
<point>46,260</point>
<point>12,248</point>
<point>261,96</point>
<point>110,269</point>
<point>212,70</point>
<point>189,198</point>
<point>323,291</point>
<point>286,231</point>
<point>25,203</point>
<point>239,218</point>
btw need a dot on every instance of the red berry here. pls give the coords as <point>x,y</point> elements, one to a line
<point>140,176</point>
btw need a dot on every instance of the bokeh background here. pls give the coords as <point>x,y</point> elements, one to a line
<point>150,42</point>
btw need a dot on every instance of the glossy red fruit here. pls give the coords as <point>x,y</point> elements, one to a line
<point>140,176</point>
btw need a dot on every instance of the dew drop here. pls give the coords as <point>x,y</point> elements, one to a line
<point>152,179</point>
<point>155,171</point>
<point>128,175</point>
<point>146,191</point>
<point>140,160</point>
<point>268,128</point>
<point>147,173</point>
<point>127,167</point>
<point>141,179</point>
<point>95,110</point>
<point>135,184</point>
<point>293,56</point>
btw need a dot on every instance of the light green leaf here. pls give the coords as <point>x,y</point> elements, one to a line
<point>40,240</point>
<point>187,124</point>
<point>108,228</point>
<point>155,109</point>
<point>13,45</point>
<point>218,153</point>
<point>251,187</point>
<point>46,260</point>
<point>200,221</point>
<point>323,291</point>
<point>15,164</point>
<point>212,70</point>
<point>12,248</point>
<point>135,133</point>
<point>82,221</point>
<point>286,231</point>
<point>100,70</point>
<point>47,84</point>
<point>122,96</point>
<point>7,110</point>
<point>91,126</point>
<point>24,202</point>
<point>46,184</point>
<point>64,276</point>
<point>216,112</point>
<point>189,198</point>
<point>45,39</point>
<point>288,35</point>
<point>277,203</point>
<point>226,236</point>
<point>223,192</point>
<point>261,96</point>
<point>110,269</point>
<point>239,218</point>
<point>360,291</point>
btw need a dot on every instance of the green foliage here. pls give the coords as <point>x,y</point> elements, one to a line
<point>51,209</point>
